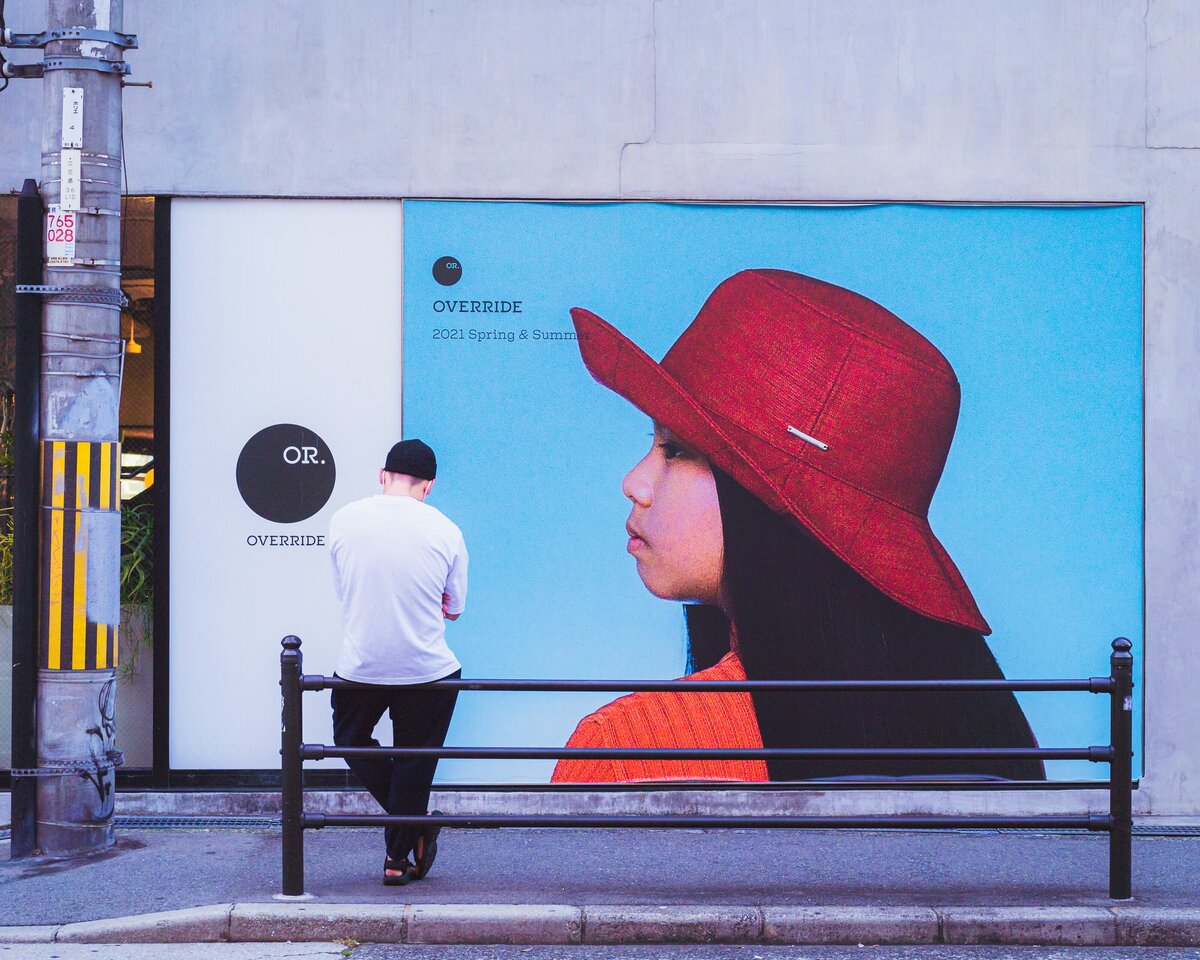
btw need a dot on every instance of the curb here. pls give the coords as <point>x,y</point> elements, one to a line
<point>615,924</point>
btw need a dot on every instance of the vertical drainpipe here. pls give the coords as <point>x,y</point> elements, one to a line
<point>26,483</point>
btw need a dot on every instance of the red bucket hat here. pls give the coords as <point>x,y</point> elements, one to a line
<point>825,406</point>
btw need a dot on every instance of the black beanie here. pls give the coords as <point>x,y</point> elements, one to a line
<point>413,458</point>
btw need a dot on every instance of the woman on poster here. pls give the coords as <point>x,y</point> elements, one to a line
<point>800,432</point>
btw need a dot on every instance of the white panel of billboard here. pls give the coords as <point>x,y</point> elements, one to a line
<point>285,314</point>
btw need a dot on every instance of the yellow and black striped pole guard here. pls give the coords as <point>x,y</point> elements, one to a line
<point>81,505</point>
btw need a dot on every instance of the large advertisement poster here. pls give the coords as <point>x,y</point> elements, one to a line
<point>885,441</point>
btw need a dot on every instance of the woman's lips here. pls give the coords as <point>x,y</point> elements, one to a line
<point>636,542</point>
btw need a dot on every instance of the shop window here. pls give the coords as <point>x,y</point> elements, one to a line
<point>135,714</point>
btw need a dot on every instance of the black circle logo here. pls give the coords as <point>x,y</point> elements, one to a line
<point>447,271</point>
<point>285,473</point>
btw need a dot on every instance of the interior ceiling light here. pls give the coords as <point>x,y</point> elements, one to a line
<point>132,346</point>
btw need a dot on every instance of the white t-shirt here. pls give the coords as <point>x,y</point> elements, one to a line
<point>393,558</point>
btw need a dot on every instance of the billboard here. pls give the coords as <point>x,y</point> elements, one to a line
<point>889,440</point>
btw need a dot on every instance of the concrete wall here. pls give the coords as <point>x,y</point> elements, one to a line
<point>1028,100</point>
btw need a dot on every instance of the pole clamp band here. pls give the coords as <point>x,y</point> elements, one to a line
<point>33,41</point>
<point>68,768</point>
<point>97,296</point>
<point>97,64</point>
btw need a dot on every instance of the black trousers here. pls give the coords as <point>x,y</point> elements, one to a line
<point>420,718</point>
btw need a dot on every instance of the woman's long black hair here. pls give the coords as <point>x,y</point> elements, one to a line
<point>801,613</point>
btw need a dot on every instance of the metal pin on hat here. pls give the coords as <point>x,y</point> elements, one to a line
<point>807,439</point>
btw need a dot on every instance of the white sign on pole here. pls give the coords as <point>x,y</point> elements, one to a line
<point>70,164</point>
<point>60,236</point>
<point>72,118</point>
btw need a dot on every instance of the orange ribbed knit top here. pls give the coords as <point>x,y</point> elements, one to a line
<point>671,720</point>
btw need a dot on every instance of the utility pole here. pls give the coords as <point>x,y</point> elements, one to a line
<point>80,388</point>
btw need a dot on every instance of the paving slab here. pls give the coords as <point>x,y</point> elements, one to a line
<point>1157,926</point>
<point>850,925</point>
<point>635,923</point>
<point>195,925</point>
<point>494,923</point>
<point>274,922</point>
<point>31,934</point>
<point>1040,926</point>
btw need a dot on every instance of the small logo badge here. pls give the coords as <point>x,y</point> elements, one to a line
<point>447,271</point>
<point>285,473</point>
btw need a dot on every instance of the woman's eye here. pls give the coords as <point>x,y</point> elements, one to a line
<point>671,450</point>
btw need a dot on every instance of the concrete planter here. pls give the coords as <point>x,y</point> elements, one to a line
<point>135,687</point>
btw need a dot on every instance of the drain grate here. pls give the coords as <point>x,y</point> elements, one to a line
<point>1166,830</point>
<point>184,823</point>
<point>198,823</point>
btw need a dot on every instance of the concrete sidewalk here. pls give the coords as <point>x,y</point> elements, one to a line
<point>616,887</point>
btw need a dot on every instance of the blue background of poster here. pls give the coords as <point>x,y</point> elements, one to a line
<point>1039,310</point>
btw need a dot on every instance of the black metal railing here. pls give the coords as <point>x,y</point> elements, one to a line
<point>1118,753</point>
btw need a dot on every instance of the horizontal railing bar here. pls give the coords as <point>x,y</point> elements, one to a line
<point>890,784</point>
<point>315,821</point>
<point>314,682</point>
<point>320,751</point>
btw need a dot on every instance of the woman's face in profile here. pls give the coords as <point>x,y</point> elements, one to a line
<point>675,525</point>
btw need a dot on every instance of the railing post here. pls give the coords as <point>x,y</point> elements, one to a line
<point>1120,777</point>
<point>290,664</point>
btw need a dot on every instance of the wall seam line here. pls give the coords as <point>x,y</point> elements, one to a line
<point>653,100</point>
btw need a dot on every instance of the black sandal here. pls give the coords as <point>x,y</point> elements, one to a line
<point>408,872</point>
<point>425,861</point>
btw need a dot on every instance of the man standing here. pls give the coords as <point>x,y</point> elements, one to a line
<point>400,570</point>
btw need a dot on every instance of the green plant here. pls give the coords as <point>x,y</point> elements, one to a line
<point>6,557</point>
<point>6,451</point>
<point>137,555</point>
<point>137,583</point>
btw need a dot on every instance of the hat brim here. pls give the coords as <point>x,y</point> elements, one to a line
<point>894,550</point>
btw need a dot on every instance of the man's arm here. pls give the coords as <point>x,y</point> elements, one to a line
<point>454,596</point>
<point>337,573</point>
